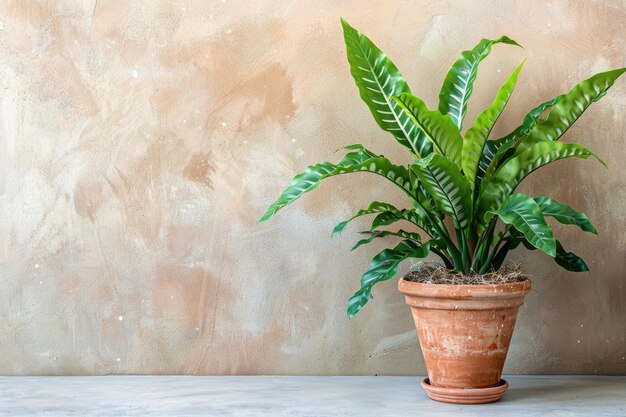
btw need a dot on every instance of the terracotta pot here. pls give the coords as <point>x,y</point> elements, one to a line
<point>464,331</point>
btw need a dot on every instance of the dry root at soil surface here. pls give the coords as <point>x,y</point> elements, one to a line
<point>433,273</point>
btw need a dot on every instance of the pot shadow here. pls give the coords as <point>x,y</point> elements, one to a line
<point>563,389</point>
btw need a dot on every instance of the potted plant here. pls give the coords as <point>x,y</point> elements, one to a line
<point>464,209</point>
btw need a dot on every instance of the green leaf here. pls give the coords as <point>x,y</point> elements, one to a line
<point>564,214</point>
<point>424,200</point>
<point>459,83</point>
<point>384,266</point>
<point>493,153</point>
<point>448,187</point>
<point>416,217</point>
<point>375,207</point>
<point>382,233</point>
<point>438,128</point>
<point>569,107</point>
<point>523,213</point>
<point>476,136</point>
<point>352,162</point>
<point>356,147</point>
<point>569,260</point>
<point>530,120</point>
<point>495,150</point>
<point>490,150</point>
<point>378,79</point>
<point>495,190</point>
<point>566,109</point>
<point>498,260</point>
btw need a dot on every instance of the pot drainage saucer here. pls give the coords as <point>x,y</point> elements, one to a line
<point>465,395</point>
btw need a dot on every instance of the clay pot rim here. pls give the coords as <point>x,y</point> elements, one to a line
<point>461,291</point>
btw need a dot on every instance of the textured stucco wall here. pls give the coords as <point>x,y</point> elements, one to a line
<point>141,140</point>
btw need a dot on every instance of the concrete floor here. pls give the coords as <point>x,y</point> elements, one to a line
<point>298,397</point>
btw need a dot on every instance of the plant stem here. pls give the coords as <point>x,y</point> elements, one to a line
<point>451,248</point>
<point>483,244</point>
<point>446,260</point>
<point>499,258</point>
<point>465,255</point>
<point>487,263</point>
<point>487,233</point>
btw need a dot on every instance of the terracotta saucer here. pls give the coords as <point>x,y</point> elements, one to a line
<point>465,395</point>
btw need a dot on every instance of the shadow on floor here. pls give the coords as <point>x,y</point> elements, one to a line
<point>564,390</point>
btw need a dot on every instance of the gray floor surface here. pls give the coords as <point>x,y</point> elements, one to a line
<point>275,396</point>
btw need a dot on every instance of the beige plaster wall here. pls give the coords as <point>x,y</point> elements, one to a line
<point>141,140</point>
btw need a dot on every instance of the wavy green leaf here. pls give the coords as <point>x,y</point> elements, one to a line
<point>440,129</point>
<point>476,136</point>
<point>417,217</point>
<point>378,79</point>
<point>382,233</point>
<point>384,266</point>
<point>514,170</point>
<point>424,200</point>
<point>530,120</point>
<point>496,150</point>
<point>564,214</point>
<point>569,107</point>
<point>523,213</point>
<point>490,150</point>
<point>565,110</point>
<point>352,162</point>
<point>448,187</point>
<point>569,260</point>
<point>459,82</point>
<point>375,207</point>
